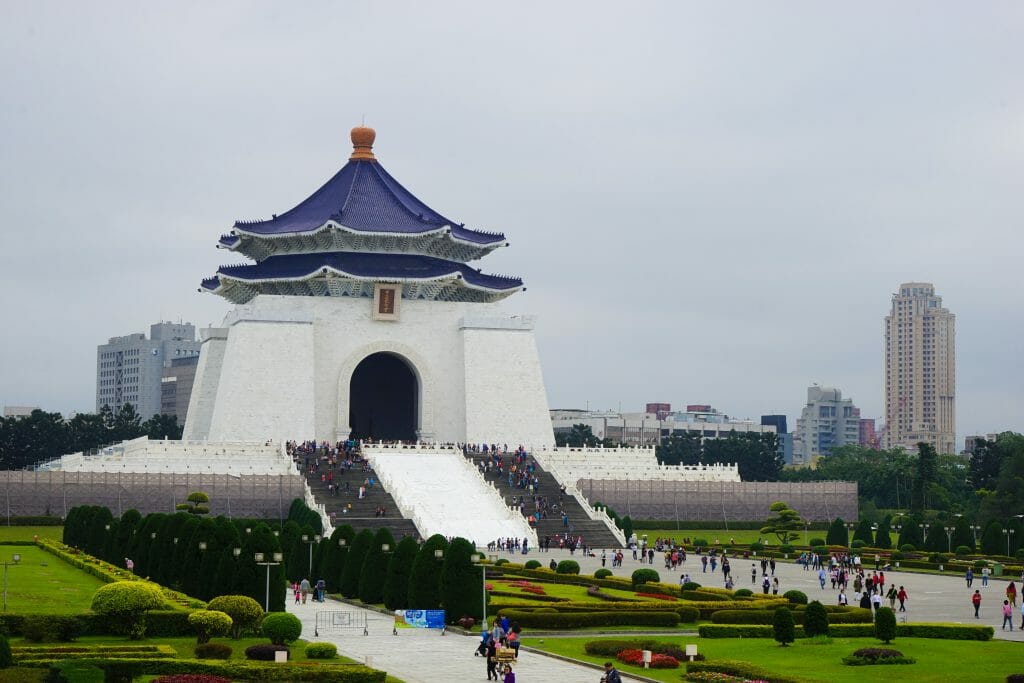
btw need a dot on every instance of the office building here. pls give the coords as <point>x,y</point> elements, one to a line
<point>827,421</point>
<point>920,370</point>
<point>176,386</point>
<point>784,437</point>
<point>129,369</point>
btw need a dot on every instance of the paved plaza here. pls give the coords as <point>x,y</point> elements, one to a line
<point>422,655</point>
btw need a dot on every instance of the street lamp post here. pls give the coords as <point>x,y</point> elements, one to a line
<point>949,539</point>
<point>850,527</point>
<point>1009,536</point>
<point>924,531</point>
<point>278,558</point>
<point>310,542</point>
<point>975,528</point>
<point>14,560</point>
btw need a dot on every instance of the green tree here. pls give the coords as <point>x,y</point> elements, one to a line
<point>864,532</point>
<point>299,553</point>
<point>161,427</point>
<point>756,455</point>
<point>782,626</point>
<point>986,461</point>
<point>354,563</point>
<point>936,541</point>
<point>992,542</point>
<point>460,583</point>
<point>885,625</point>
<point>579,436</point>
<point>396,587</point>
<point>912,532</point>
<point>962,534</point>
<point>883,539</point>
<point>627,526</point>
<point>815,620</point>
<point>336,563</point>
<point>837,534</point>
<point>784,522</point>
<point>1008,496</point>
<point>927,470</point>
<point>375,567</point>
<point>245,612</point>
<point>195,504</point>
<point>127,423</point>
<point>681,449</point>
<point>425,579</point>
<point>125,603</point>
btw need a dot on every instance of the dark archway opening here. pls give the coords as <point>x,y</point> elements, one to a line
<point>383,399</point>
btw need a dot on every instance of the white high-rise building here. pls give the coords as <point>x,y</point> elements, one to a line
<point>129,368</point>
<point>827,421</point>
<point>920,370</point>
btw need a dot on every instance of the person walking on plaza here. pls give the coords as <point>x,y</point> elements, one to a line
<point>821,578</point>
<point>891,595</point>
<point>611,674</point>
<point>1007,615</point>
<point>1011,593</point>
<point>492,660</point>
<point>976,601</point>
<point>985,572</point>
<point>902,597</point>
<point>969,577</point>
<point>304,587</point>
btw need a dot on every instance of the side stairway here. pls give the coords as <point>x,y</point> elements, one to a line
<point>594,531</point>
<point>362,513</point>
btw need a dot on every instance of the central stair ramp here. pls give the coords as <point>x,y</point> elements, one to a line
<point>443,493</point>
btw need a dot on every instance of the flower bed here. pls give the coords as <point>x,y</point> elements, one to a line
<point>658,661</point>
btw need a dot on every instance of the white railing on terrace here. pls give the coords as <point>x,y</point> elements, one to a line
<point>443,493</point>
<point>145,456</point>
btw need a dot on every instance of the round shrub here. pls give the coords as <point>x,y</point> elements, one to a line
<point>209,623</point>
<point>786,549</point>
<point>213,651</point>
<point>532,564</point>
<point>700,542</point>
<point>642,576</point>
<point>1019,554</point>
<point>690,586</point>
<point>6,660</point>
<point>264,653</point>
<point>817,541</point>
<point>125,603</point>
<point>501,561</point>
<point>321,651</point>
<point>568,567</point>
<point>602,573</point>
<point>962,550</point>
<point>281,627</point>
<point>815,620</point>
<point>245,612</point>
<point>876,652</point>
<point>857,544</point>
<point>897,556</point>
<point>796,597</point>
<point>42,627</point>
<point>757,547</point>
<point>821,550</point>
<point>743,593</point>
<point>908,547</point>
<point>938,558</point>
<point>980,564</point>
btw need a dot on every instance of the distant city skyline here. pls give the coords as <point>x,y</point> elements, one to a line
<point>706,203</point>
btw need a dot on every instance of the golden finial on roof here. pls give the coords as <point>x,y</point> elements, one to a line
<point>362,141</point>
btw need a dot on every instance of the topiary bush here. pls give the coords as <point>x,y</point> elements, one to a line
<point>877,655</point>
<point>44,627</point>
<point>321,651</point>
<point>885,625</point>
<point>567,567</point>
<point>642,576</point>
<point>209,623</point>
<point>796,597</point>
<point>783,628</point>
<point>787,549</point>
<point>908,548</point>
<point>124,605</point>
<point>1019,554</point>
<point>6,660</point>
<point>692,586</point>
<point>532,564</point>
<point>897,556</point>
<point>213,651</point>
<point>245,612</point>
<point>815,619</point>
<point>264,653</point>
<point>700,542</point>
<point>743,593</point>
<point>602,573</point>
<point>857,544</point>
<point>816,541</point>
<point>281,627</point>
<point>962,550</point>
<point>757,547</point>
<point>938,558</point>
<point>500,561</point>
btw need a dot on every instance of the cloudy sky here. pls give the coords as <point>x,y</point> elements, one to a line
<point>709,202</point>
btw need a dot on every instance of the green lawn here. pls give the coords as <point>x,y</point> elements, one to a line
<point>558,590</point>
<point>938,661</point>
<point>43,584</point>
<point>25,533</point>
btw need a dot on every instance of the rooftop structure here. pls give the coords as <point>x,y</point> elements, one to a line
<point>360,228</point>
<point>827,421</point>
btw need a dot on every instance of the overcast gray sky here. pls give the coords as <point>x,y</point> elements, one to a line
<point>709,202</point>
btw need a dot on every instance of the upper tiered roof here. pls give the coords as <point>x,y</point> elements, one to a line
<point>361,228</point>
<point>361,208</point>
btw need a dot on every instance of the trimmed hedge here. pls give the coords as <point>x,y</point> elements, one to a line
<point>568,567</point>
<point>937,631</point>
<point>234,670</point>
<point>28,655</point>
<point>762,616</point>
<point>601,573</point>
<point>321,651</point>
<point>213,651</point>
<point>581,619</point>
<point>264,652</point>
<point>743,670</point>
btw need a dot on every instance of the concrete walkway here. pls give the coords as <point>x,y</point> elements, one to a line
<point>424,655</point>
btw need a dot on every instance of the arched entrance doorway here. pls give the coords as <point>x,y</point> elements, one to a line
<point>384,399</point>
